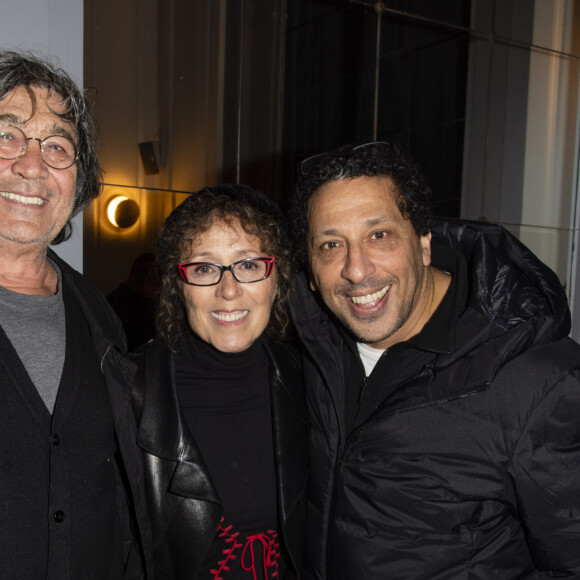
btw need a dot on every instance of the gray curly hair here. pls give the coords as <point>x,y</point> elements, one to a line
<point>30,71</point>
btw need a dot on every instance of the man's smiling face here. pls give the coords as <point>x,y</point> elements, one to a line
<point>36,200</point>
<point>366,260</point>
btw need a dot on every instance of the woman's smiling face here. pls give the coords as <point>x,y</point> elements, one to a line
<point>230,315</point>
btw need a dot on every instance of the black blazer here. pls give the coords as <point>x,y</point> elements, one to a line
<point>184,506</point>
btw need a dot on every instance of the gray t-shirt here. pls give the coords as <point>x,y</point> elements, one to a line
<point>36,328</point>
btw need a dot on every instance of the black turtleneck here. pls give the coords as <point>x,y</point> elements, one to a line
<point>225,400</point>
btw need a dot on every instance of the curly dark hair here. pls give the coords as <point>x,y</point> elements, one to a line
<point>258,216</point>
<point>30,71</point>
<point>378,159</point>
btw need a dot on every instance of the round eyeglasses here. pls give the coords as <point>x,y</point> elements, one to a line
<point>210,274</point>
<point>57,151</point>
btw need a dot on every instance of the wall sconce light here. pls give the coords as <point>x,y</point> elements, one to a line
<point>122,211</point>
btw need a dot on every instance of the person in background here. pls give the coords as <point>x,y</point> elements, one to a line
<point>69,466</point>
<point>221,395</point>
<point>134,301</point>
<point>443,390</point>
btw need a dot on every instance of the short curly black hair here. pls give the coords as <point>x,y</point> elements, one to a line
<point>27,70</point>
<point>258,216</point>
<point>376,159</point>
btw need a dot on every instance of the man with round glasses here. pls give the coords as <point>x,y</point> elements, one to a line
<point>69,502</point>
<point>58,151</point>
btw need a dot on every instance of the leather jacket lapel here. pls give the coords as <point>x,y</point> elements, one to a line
<point>162,429</point>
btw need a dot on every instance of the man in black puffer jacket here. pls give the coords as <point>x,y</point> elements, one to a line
<point>443,389</point>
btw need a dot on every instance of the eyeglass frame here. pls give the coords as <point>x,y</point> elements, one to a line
<point>40,144</point>
<point>308,160</point>
<point>270,260</point>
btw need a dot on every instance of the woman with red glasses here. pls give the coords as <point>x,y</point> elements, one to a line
<point>220,395</point>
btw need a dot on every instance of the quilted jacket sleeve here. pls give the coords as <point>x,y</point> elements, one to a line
<point>546,472</point>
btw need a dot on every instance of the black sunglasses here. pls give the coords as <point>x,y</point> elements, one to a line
<point>315,160</point>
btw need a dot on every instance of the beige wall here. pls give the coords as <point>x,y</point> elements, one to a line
<point>153,75</point>
<point>159,70</point>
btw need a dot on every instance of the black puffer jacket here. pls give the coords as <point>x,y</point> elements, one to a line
<point>183,503</point>
<point>467,466</point>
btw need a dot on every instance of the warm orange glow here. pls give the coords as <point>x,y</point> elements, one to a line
<point>112,208</point>
<point>123,212</point>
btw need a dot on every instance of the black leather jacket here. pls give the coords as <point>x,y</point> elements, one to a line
<point>184,506</point>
